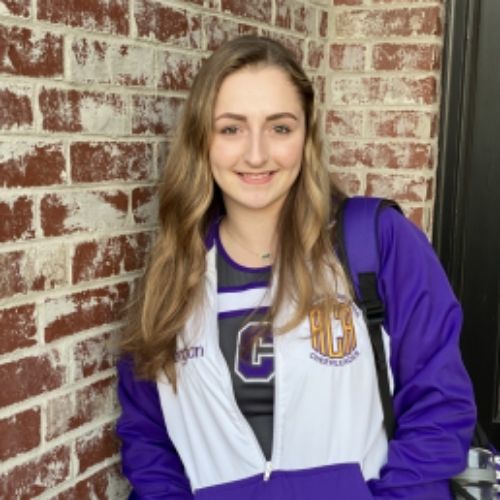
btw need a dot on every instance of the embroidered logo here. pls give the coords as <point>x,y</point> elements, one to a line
<point>333,337</point>
<point>183,355</point>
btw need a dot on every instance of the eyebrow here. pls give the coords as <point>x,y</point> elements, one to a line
<point>275,116</point>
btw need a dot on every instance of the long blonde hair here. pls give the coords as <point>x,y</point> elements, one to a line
<point>173,282</point>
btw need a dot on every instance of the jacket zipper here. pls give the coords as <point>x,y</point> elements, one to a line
<point>241,417</point>
<point>268,464</point>
<point>268,468</point>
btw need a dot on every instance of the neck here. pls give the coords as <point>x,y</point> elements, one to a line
<point>248,238</point>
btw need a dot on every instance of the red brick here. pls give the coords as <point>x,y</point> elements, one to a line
<point>145,205</point>
<point>162,154</point>
<point>107,483</point>
<point>29,377</point>
<point>398,187</point>
<point>11,283</point>
<point>110,161</point>
<point>95,354</point>
<point>319,84</point>
<point>84,310</point>
<point>315,54</point>
<point>20,8</point>
<point>109,16</point>
<point>90,403</point>
<point>347,57</point>
<point>260,10</point>
<point>412,124</point>
<point>429,194</point>
<point>29,164</point>
<point>350,183</point>
<point>44,266</point>
<point>156,115</point>
<point>304,20</point>
<point>82,111</point>
<point>35,269</point>
<point>416,215</point>
<point>435,125</point>
<point>344,123</point>
<point>396,56</point>
<point>25,53</point>
<point>32,478</point>
<point>295,45</point>
<point>381,155</point>
<point>323,23</point>
<point>96,446</point>
<point>18,326</point>
<point>283,17</point>
<point>394,22</point>
<point>119,64</point>
<point>16,112</point>
<point>220,30</point>
<point>167,24</point>
<point>71,212</point>
<point>100,259</point>
<point>20,433</point>
<point>176,71</point>
<point>392,91</point>
<point>16,219</point>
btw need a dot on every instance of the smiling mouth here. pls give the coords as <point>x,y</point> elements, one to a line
<point>256,178</point>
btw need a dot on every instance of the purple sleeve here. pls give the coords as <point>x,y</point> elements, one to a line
<point>433,400</point>
<point>149,459</point>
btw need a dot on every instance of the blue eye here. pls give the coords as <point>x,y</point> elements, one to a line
<point>281,129</point>
<point>229,130</point>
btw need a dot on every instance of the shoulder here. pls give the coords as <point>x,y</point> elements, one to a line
<point>402,239</point>
<point>370,228</point>
<point>392,222</point>
<point>409,265</point>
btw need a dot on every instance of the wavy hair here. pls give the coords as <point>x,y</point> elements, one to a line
<point>173,283</point>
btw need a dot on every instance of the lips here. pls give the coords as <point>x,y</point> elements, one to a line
<point>256,178</point>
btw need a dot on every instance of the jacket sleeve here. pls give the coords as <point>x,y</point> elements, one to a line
<point>433,399</point>
<point>149,460</point>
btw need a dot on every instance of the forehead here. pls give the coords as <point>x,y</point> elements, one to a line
<point>258,89</point>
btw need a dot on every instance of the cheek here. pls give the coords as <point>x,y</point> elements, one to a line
<point>222,154</point>
<point>221,161</point>
<point>290,154</point>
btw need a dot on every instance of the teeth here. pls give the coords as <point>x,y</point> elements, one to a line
<point>257,176</point>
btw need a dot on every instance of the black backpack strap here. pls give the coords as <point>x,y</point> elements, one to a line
<point>357,220</point>
<point>480,439</point>
<point>459,492</point>
<point>373,310</point>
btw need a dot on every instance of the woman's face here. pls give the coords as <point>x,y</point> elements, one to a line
<point>258,139</point>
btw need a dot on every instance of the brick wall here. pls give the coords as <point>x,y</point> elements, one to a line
<point>89,95</point>
<point>382,112</point>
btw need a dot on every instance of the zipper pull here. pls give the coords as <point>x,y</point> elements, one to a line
<point>268,468</point>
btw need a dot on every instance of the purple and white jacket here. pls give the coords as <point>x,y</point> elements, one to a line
<point>328,441</point>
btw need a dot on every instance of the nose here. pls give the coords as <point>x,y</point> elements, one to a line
<point>256,153</point>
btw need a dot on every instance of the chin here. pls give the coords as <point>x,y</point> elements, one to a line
<point>263,206</point>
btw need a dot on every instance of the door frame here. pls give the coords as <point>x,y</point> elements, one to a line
<point>454,207</point>
<point>457,87</point>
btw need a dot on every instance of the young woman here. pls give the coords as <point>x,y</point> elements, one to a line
<point>225,393</point>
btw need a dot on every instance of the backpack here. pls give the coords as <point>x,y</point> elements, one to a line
<point>357,249</point>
